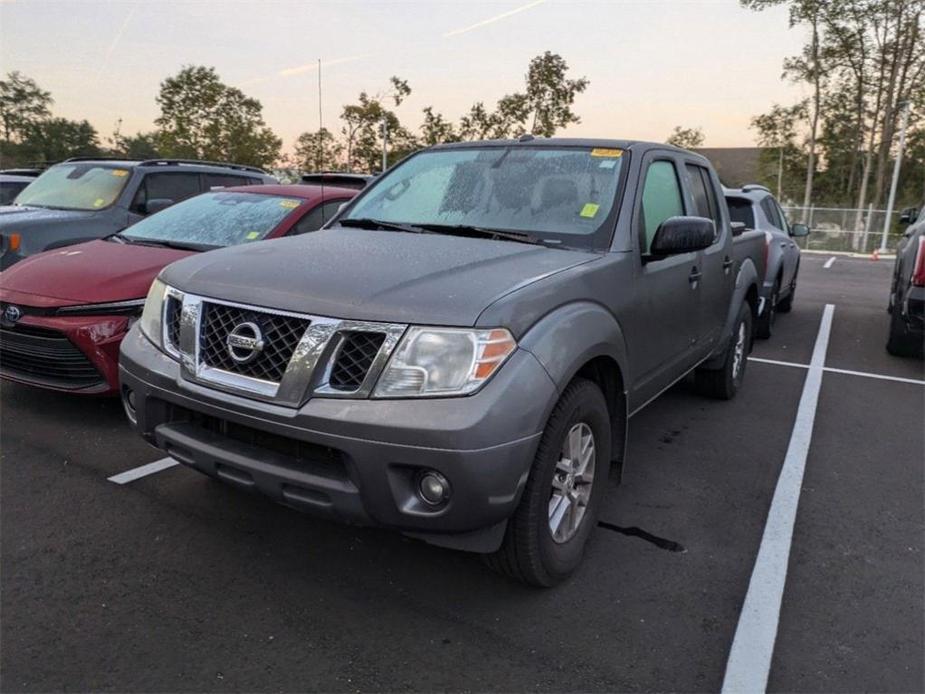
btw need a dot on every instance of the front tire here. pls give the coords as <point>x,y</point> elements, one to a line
<point>723,383</point>
<point>546,536</point>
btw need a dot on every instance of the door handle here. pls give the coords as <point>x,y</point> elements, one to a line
<point>694,276</point>
<point>727,263</point>
<point>783,244</point>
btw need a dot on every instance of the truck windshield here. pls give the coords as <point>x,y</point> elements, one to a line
<point>212,220</point>
<point>556,194</point>
<point>75,187</point>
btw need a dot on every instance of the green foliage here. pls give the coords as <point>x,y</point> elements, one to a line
<point>139,146</point>
<point>23,105</point>
<point>436,129</point>
<point>317,151</point>
<point>685,138</point>
<point>550,94</point>
<point>203,118</point>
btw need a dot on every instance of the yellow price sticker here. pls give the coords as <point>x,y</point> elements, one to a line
<point>590,210</point>
<point>99,202</point>
<point>602,152</point>
<point>251,235</point>
<point>289,204</point>
<point>119,172</point>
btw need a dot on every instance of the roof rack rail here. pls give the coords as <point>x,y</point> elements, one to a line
<point>748,187</point>
<point>167,161</point>
<point>92,159</point>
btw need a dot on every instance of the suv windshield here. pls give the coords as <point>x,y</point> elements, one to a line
<point>75,187</point>
<point>214,219</point>
<point>562,194</point>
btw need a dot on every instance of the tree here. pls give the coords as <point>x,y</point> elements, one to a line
<point>781,160</point>
<point>55,139</point>
<point>363,123</point>
<point>203,118</point>
<point>317,151</point>
<point>436,129</point>
<point>685,138</point>
<point>550,94</point>
<point>23,104</point>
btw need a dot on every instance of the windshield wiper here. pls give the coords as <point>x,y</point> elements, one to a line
<point>365,223</point>
<point>167,243</point>
<point>468,230</point>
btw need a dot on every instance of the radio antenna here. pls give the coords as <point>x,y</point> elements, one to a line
<point>320,154</point>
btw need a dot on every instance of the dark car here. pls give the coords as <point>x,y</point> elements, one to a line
<point>341,179</point>
<point>756,208</point>
<point>11,185</point>
<point>457,355</point>
<point>64,312</point>
<point>907,296</point>
<point>83,199</point>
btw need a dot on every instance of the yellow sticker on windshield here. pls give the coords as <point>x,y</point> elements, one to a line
<point>289,204</point>
<point>251,235</point>
<point>119,172</point>
<point>589,210</point>
<point>601,152</point>
<point>99,202</point>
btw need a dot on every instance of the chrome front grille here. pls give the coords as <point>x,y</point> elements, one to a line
<point>278,356</point>
<point>280,336</point>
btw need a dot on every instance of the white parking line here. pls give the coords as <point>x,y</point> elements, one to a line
<point>143,471</point>
<point>829,263</point>
<point>831,369</point>
<point>753,646</point>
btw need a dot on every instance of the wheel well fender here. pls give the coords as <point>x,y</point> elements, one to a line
<point>584,339</point>
<point>745,291</point>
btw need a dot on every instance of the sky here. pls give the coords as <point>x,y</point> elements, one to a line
<point>652,64</point>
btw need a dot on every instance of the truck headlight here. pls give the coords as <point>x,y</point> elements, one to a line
<point>152,316</point>
<point>443,361</point>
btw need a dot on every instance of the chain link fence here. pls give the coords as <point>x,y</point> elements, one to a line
<point>845,229</point>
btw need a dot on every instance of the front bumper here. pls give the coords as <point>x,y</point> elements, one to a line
<point>73,354</point>
<point>356,461</point>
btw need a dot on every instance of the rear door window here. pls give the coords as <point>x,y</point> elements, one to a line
<point>740,210</point>
<point>317,218</point>
<point>661,199</point>
<point>214,181</point>
<point>170,186</point>
<point>702,190</point>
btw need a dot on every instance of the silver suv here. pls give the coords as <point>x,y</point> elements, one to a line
<point>755,207</point>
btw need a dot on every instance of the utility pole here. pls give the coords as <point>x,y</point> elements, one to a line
<point>780,171</point>
<point>385,144</point>
<point>899,159</point>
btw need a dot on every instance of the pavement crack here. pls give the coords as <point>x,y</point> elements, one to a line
<point>633,531</point>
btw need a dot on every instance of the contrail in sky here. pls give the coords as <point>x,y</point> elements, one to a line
<point>492,20</point>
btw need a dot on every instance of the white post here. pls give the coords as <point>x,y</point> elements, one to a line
<point>385,145</point>
<point>867,222</point>
<point>899,158</point>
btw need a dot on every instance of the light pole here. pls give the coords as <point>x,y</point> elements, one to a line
<point>899,159</point>
<point>385,144</point>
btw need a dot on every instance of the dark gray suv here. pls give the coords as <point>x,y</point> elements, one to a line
<point>86,198</point>
<point>756,208</point>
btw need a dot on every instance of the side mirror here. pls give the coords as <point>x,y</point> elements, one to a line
<point>799,230</point>
<point>908,215</point>
<point>157,204</point>
<point>682,235</point>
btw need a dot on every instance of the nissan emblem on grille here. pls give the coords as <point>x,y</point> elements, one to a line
<point>245,342</point>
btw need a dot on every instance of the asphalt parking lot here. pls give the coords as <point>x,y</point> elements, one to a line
<point>172,582</point>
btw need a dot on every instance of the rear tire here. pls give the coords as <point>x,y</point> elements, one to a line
<point>532,551</point>
<point>786,304</point>
<point>723,383</point>
<point>901,343</point>
<point>764,328</point>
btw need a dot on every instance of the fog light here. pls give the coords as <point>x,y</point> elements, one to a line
<point>433,488</point>
<point>128,403</point>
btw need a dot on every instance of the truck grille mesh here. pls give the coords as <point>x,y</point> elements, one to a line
<point>281,335</point>
<point>172,319</point>
<point>355,359</point>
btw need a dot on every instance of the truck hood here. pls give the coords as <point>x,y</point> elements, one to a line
<point>20,217</point>
<point>358,274</point>
<point>87,273</point>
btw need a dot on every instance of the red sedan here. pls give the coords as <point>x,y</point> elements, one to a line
<point>64,312</point>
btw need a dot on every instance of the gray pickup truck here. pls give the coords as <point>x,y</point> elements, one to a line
<point>458,354</point>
